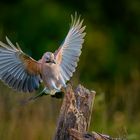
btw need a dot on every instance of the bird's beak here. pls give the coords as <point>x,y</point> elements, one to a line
<point>54,61</point>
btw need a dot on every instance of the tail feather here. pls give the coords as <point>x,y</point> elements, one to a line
<point>43,92</point>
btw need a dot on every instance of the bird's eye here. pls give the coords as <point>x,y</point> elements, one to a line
<point>47,59</point>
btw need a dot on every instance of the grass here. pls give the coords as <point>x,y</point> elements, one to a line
<point>112,114</point>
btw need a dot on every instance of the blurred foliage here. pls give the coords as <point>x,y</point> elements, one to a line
<point>109,64</point>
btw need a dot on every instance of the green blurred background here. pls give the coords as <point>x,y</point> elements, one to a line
<point>109,64</point>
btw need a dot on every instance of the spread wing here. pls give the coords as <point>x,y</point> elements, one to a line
<point>17,69</point>
<point>68,53</point>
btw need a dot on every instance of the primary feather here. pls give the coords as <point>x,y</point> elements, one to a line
<point>68,53</point>
<point>15,70</point>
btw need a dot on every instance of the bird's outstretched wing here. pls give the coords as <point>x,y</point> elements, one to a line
<point>68,53</point>
<point>17,69</point>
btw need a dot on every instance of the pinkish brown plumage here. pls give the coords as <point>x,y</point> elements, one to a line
<point>23,73</point>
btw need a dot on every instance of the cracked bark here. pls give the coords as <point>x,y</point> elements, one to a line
<point>75,112</point>
<point>75,116</point>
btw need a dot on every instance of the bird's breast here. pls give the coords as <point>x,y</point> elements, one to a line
<point>50,71</point>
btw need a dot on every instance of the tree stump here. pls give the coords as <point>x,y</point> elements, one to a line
<point>75,112</point>
<point>75,116</point>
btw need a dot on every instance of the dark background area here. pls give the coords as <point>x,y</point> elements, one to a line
<point>109,64</point>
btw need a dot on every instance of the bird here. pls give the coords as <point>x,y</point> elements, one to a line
<point>24,74</point>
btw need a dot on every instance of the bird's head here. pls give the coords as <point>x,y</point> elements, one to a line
<point>49,58</point>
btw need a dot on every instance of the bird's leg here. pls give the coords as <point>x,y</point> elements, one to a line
<point>55,88</point>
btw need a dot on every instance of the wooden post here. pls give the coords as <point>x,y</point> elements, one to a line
<point>75,112</point>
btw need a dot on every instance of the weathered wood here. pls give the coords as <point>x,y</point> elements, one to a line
<point>75,112</point>
<point>87,136</point>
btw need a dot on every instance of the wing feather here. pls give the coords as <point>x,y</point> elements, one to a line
<point>68,53</point>
<point>17,69</point>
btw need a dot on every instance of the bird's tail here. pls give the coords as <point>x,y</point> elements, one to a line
<point>43,92</point>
